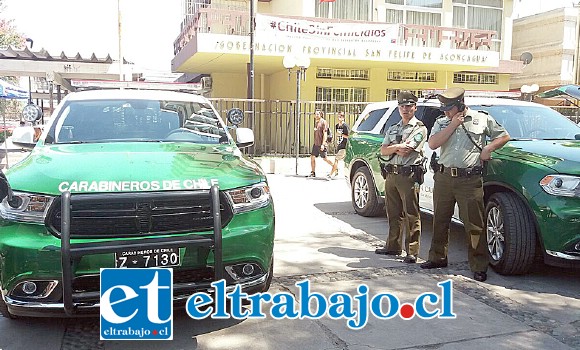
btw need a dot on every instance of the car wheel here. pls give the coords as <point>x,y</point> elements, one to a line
<point>4,309</point>
<point>364,194</point>
<point>511,234</point>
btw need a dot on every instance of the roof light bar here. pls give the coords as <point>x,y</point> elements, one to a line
<point>112,84</point>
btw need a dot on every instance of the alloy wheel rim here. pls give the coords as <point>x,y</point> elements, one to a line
<point>361,192</point>
<point>495,234</point>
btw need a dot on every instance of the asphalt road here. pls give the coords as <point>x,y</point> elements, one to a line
<point>320,238</point>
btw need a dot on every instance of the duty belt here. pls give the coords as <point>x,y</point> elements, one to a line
<point>461,172</point>
<point>400,169</point>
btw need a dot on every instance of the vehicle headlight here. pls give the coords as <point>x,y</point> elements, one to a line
<point>561,185</point>
<point>31,208</point>
<point>249,198</point>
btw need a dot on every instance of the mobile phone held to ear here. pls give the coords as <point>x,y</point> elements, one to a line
<point>461,107</point>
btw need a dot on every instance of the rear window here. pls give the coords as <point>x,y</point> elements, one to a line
<point>370,120</point>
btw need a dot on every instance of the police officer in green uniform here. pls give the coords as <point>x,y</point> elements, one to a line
<point>403,144</point>
<point>461,134</point>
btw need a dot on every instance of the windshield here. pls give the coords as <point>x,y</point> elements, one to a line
<point>137,120</point>
<point>532,122</point>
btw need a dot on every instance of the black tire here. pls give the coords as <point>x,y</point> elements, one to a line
<point>511,234</point>
<point>364,194</point>
<point>4,309</point>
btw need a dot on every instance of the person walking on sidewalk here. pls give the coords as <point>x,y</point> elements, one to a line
<point>403,173</point>
<point>461,134</point>
<point>341,132</point>
<point>320,145</point>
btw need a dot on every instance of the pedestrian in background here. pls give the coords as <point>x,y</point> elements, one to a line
<point>461,134</point>
<point>320,145</point>
<point>341,132</point>
<point>403,172</point>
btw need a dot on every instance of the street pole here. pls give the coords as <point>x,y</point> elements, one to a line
<point>297,119</point>
<point>251,73</point>
<point>251,77</point>
<point>121,78</point>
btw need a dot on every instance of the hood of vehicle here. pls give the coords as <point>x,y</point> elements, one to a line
<point>132,167</point>
<point>562,156</point>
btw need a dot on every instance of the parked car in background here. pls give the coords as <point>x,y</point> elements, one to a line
<point>132,178</point>
<point>532,185</point>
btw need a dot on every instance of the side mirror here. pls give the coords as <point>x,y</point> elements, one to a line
<point>24,136</point>
<point>235,116</point>
<point>244,137</point>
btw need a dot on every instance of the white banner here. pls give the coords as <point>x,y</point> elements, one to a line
<point>286,30</point>
<point>281,36</point>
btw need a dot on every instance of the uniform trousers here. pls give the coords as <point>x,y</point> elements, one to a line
<point>402,202</point>
<point>467,192</point>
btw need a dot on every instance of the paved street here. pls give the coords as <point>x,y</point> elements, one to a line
<point>319,237</point>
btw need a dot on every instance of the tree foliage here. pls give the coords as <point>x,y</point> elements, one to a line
<point>9,36</point>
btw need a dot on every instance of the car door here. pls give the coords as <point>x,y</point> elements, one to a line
<point>428,114</point>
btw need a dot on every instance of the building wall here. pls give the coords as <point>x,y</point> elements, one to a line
<point>551,38</point>
<point>279,86</point>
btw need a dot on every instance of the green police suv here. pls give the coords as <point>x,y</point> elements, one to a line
<point>132,178</point>
<point>532,185</point>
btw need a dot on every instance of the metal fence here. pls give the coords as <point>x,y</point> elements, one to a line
<point>274,123</point>
<point>573,113</point>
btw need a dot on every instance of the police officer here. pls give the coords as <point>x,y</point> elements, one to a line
<point>403,144</point>
<point>461,134</point>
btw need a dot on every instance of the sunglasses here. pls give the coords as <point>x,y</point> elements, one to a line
<point>445,108</point>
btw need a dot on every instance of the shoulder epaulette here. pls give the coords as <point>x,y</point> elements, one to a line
<point>482,111</point>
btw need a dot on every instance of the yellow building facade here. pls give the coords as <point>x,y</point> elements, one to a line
<point>215,41</point>
<point>357,51</point>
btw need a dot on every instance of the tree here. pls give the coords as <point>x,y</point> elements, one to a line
<point>9,36</point>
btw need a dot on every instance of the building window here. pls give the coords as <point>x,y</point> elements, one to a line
<point>391,94</point>
<point>474,78</point>
<point>480,14</point>
<point>344,74</point>
<point>344,9</point>
<point>334,94</point>
<point>395,75</point>
<point>423,12</point>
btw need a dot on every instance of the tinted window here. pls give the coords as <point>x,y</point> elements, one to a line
<point>427,115</point>
<point>394,118</point>
<point>136,120</point>
<point>532,122</point>
<point>370,120</point>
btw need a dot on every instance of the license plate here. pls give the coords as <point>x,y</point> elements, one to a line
<point>154,257</point>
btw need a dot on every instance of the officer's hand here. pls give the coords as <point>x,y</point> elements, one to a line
<point>404,150</point>
<point>457,118</point>
<point>485,153</point>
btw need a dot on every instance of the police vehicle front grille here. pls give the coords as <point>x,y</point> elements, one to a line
<point>91,283</point>
<point>138,214</point>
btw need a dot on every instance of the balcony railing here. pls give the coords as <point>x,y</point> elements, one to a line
<point>218,19</point>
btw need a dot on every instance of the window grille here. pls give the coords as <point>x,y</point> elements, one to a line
<point>335,94</point>
<point>474,78</point>
<point>343,74</point>
<point>391,94</point>
<point>393,75</point>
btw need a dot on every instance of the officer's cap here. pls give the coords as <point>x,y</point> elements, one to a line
<point>450,98</point>
<point>406,98</point>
